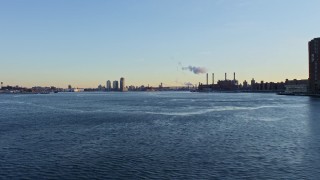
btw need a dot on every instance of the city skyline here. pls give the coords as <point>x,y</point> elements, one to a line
<point>85,43</point>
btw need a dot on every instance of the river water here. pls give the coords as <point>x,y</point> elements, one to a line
<point>159,135</point>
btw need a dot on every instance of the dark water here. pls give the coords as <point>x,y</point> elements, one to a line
<point>159,135</point>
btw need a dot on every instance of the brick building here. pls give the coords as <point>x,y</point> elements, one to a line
<point>314,66</point>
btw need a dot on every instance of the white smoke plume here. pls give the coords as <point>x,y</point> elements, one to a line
<point>195,70</point>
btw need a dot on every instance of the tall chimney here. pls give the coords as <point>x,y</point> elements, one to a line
<point>225,76</point>
<point>207,78</point>
<point>212,78</point>
<point>234,76</point>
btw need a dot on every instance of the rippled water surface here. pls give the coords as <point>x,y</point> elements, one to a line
<point>165,135</point>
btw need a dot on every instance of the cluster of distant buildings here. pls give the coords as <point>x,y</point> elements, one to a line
<point>310,86</point>
<point>115,85</point>
<point>233,85</point>
<point>109,87</point>
<point>120,87</point>
<point>34,90</point>
<point>289,86</point>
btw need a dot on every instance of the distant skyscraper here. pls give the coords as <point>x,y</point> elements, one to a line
<point>253,84</point>
<point>122,84</point>
<point>108,85</point>
<point>100,87</point>
<point>245,84</point>
<point>314,65</point>
<point>115,85</point>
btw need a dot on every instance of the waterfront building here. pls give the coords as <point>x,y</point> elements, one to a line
<point>267,86</point>
<point>272,85</point>
<point>160,86</point>
<point>122,84</point>
<point>100,87</point>
<point>108,85</point>
<point>132,88</point>
<point>261,86</point>
<point>296,86</point>
<point>314,65</point>
<point>70,89</point>
<point>253,84</point>
<point>222,85</point>
<point>227,85</point>
<point>78,90</point>
<point>115,85</point>
<point>245,84</point>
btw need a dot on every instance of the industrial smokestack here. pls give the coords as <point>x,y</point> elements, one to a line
<point>212,78</point>
<point>225,76</point>
<point>234,76</point>
<point>207,78</point>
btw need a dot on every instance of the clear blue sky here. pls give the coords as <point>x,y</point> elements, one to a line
<point>85,43</point>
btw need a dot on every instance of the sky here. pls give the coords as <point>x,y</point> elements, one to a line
<point>87,42</point>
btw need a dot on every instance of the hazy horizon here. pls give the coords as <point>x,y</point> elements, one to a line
<point>86,43</point>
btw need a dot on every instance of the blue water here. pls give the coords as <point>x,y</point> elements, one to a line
<point>164,135</point>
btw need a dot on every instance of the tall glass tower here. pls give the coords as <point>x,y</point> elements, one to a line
<point>122,84</point>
